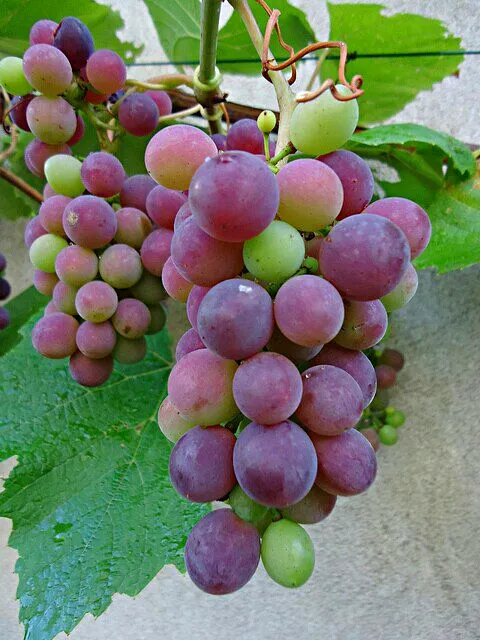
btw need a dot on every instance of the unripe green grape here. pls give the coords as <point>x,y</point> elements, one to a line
<point>44,251</point>
<point>276,253</point>
<point>249,510</point>
<point>63,175</point>
<point>266,121</point>
<point>324,124</point>
<point>395,418</point>
<point>12,77</point>
<point>287,553</point>
<point>403,292</point>
<point>388,435</point>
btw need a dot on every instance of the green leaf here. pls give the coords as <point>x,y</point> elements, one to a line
<point>176,20</point>
<point>390,83</point>
<point>21,309</point>
<point>16,19</point>
<point>92,506</point>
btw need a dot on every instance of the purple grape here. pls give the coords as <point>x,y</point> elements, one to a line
<point>235,319</point>
<point>174,283</point>
<point>96,339</point>
<point>51,212</point>
<point>372,436</point>
<point>347,464</point>
<point>244,135</point>
<point>96,301</point>
<point>133,226</point>
<point>52,120</point>
<point>37,153</point>
<point>313,508</point>
<point>5,289</point>
<point>47,69</point>
<point>90,372</point>
<point>275,465</point>
<point>364,257</point>
<point>267,388</point>
<point>129,350</point>
<point>308,310</point>
<point>64,298</point>
<point>4,318</point>
<point>355,363</point>
<point>222,552</point>
<point>54,335</point>
<point>148,289</point>
<point>201,464</point>
<point>135,191</point>
<point>155,250</point>
<point>132,318</point>
<point>190,341</point>
<point>158,318</point>
<point>50,308</point>
<point>79,132</point>
<point>220,141</point>
<point>294,352</point>
<point>409,216</point>
<point>183,214</point>
<point>386,376</point>
<point>44,282</point>
<point>74,39</point>
<point>138,114</point>
<point>332,401</point>
<point>76,265</point>
<point>18,111</point>
<point>202,259</point>
<point>391,357</point>
<point>48,192</point>
<point>106,71</point>
<point>356,178</point>
<point>90,222</point>
<point>234,196</point>
<point>102,174</point>
<point>364,325</point>
<point>194,300</point>
<point>43,32</point>
<point>120,266</point>
<point>162,100</point>
<point>163,205</point>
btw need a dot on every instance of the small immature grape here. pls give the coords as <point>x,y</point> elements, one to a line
<point>47,69</point>
<point>133,226</point>
<point>388,435</point>
<point>175,284</point>
<point>288,554</point>
<point>171,423</point>
<point>96,339</point>
<point>106,71</point>
<point>63,174</point>
<point>135,191</point>
<point>102,174</point>
<point>43,32</point>
<point>44,282</point>
<point>132,318</point>
<point>54,335</point>
<point>188,342</point>
<point>64,298</point>
<point>138,114</point>
<point>395,419</point>
<point>51,212</point>
<point>12,77</point>
<point>130,350</point>
<point>74,39</point>
<point>386,376</point>
<point>120,266</point>
<point>403,292</point>
<point>90,372</point>
<point>266,121</point>
<point>76,265</point>
<point>52,120</point>
<point>96,301</point>
<point>158,318</point>
<point>90,222</point>
<point>249,510</point>
<point>44,250</point>
<point>148,289</point>
<point>155,250</point>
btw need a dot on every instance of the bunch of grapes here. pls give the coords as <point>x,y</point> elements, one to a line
<point>4,293</point>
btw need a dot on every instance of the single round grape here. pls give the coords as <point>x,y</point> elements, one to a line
<point>18,111</point>
<point>308,310</point>
<point>267,388</point>
<point>175,284</point>
<point>194,300</point>
<point>276,464</point>
<point>43,32</point>
<point>395,419</point>
<point>76,265</point>
<point>386,376</point>
<point>235,319</point>
<point>347,464</point>
<point>249,510</point>
<point>372,436</point>
<point>294,352</point>
<point>158,318</point>
<point>52,120</point>
<point>324,124</point>
<point>183,214</point>
<point>138,114</point>
<point>106,71</point>
<point>64,298</point>
<point>96,301</point>
<point>331,402</point>
<point>90,372</point>
<point>5,288</point>
<point>175,153</point>
<point>50,308</point>
<point>155,250</point>
<point>267,121</point>
<point>90,222</point>
<point>288,554</point>
<point>54,335</point>
<point>4,318</point>
<point>78,133</point>
<point>133,226</point>
<point>220,141</point>
<point>44,250</point>
<point>364,257</point>
<point>162,100</point>
<point>120,266</point>
<point>63,174</point>
<point>171,423</point>
<point>200,386</point>
<point>311,194</point>
<point>74,39</point>
<point>364,325</point>
<point>403,292</point>
<point>276,253</point>
<point>37,153</point>
<point>102,174</point>
<point>33,230</point>
<point>132,318</point>
<point>222,552</point>
<point>148,289</point>
<point>93,97</point>
<point>314,507</point>
<point>129,350</point>
<point>356,178</point>
<point>44,282</point>
<point>393,358</point>
<point>234,196</point>
<point>202,259</point>
<point>188,342</point>
<point>135,191</point>
<point>163,205</point>
<point>51,212</point>
<point>96,339</point>
<point>244,135</point>
<point>47,69</point>
<point>12,77</point>
<point>388,435</point>
<point>201,464</point>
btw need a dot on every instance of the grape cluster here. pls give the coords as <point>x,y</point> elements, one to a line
<point>4,293</point>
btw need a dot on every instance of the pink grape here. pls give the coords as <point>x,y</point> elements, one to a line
<point>48,192</point>
<point>364,325</point>
<point>364,256</point>
<point>190,341</point>
<point>78,133</point>
<point>294,352</point>
<point>54,335</point>
<point>135,191</point>
<point>392,357</point>
<point>175,284</point>
<point>138,114</point>
<point>44,282</point>
<point>96,339</point>
<point>33,230</point>
<point>267,388</point>
<point>129,350</point>
<point>102,174</point>
<point>202,259</point>
<point>276,464</point>
<point>74,39</point>
<point>163,205</point>
<point>314,507</point>
<point>386,376</point>
<point>372,436</point>
<point>171,423</point>
<point>133,226</point>
<point>234,196</point>
<point>120,266</point>
<point>64,298</point>
<point>90,222</point>
<point>162,100</point>
<point>155,250</point>
<point>183,214</point>
<point>244,135</point>
<point>220,141</point>
<point>132,318</point>
<point>148,289</point>
<point>76,265</point>
<point>18,111</point>
<point>194,300</point>
<point>93,97</point>
<point>106,71</point>
<point>96,301</point>
<point>403,292</point>
<point>52,120</point>
<point>235,319</point>
<point>90,372</point>
<point>37,153</point>
<point>347,464</point>
<point>50,308</point>
<point>47,69</point>
<point>43,32</point>
<point>51,212</point>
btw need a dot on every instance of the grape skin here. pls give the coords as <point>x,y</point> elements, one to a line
<point>138,114</point>
<point>37,153</point>
<point>135,191</point>
<point>64,298</point>
<point>129,350</point>
<point>194,300</point>
<point>50,308</point>
<point>96,339</point>
<point>47,69</point>
<point>249,510</point>
<point>174,283</point>
<point>189,341</point>
<point>386,376</point>
<point>364,326</point>
<point>33,230</point>
<point>171,423</point>
<point>133,226</point>
<point>18,111</point>
<point>102,174</point>
<point>162,100</point>
<point>372,436</point>
<point>74,39</point>
<point>43,32</point>
<point>90,222</point>
<point>76,265</point>
<point>54,335</point>
<point>295,352</point>
<point>44,282</point>
<point>63,174</point>
<point>90,372</point>
<point>51,212</point>
<point>163,204</point>
<point>156,250</point>
<point>44,250</point>
<point>96,301</point>
<point>52,120</point>
<point>220,141</point>
<point>393,358</point>
<point>403,292</point>
<point>120,266</point>
<point>287,553</point>
<point>244,135</point>
<point>48,191</point>
<point>4,318</point>
<point>79,132</point>
<point>183,214</point>
<point>12,78</point>
<point>314,507</point>
<point>106,71</point>
<point>131,318</point>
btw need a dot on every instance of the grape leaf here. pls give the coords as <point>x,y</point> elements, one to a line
<point>91,502</point>
<point>174,21</point>
<point>390,83</point>
<point>21,309</point>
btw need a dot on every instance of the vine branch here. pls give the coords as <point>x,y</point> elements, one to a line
<point>20,184</point>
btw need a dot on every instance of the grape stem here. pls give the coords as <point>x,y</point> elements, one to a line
<point>178,115</point>
<point>283,153</point>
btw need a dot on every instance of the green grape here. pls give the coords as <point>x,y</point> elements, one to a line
<point>266,121</point>
<point>388,435</point>
<point>44,251</point>
<point>324,124</point>
<point>12,77</point>
<point>249,510</point>
<point>276,253</point>
<point>63,175</point>
<point>395,418</point>
<point>287,553</point>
